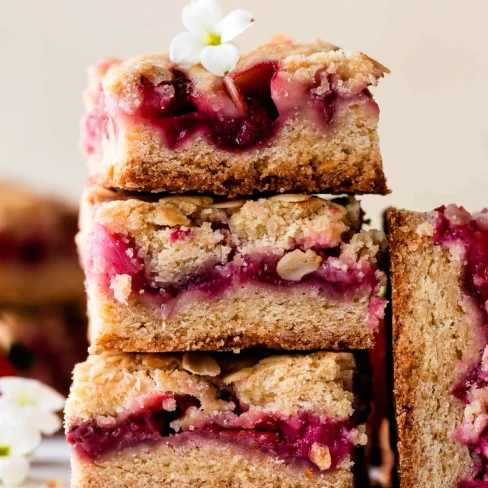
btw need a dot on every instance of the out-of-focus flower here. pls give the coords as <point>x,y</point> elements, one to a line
<point>36,400</point>
<point>18,438</point>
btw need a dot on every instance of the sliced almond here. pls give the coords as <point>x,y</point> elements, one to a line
<point>168,215</point>
<point>320,456</point>
<point>275,359</point>
<point>196,200</point>
<point>296,264</point>
<point>290,198</point>
<point>240,375</point>
<point>229,204</point>
<point>200,364</point>
<point>376,64</point>
<point>235,94</point>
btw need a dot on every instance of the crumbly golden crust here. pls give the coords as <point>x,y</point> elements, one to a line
<point>301,157</point>
<point>198,464</point>
<point>432,331</point>
<point>110,384</point>
<point>249,317</point>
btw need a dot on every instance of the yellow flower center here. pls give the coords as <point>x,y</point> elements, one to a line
<point>213,39</point>
<point>25,401</point>
<point>4,451</point>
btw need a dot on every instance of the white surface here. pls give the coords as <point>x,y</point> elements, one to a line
<point>50,462</point>
<point>434,130</point>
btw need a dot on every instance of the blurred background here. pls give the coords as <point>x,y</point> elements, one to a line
<point>434,105</point>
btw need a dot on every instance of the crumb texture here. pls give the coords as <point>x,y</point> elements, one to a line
<point>198,465</point>
<point>432,332</point>
<point>109,385</point>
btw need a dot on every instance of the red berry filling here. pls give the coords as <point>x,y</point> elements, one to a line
<point>454,225</point>
<point>108,255</point>
<point>284,437</point>
<point>238,113</point>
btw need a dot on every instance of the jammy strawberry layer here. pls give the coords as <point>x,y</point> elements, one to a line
<point>242,112</point>
<point>110,256</point>
<point>457,229</point>
<point>289,438</point>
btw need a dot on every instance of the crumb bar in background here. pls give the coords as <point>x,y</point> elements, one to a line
<point>289,117</point>
<point>190,273</point>
<point>439,266</point>
<point>44,343</point>
<point>38,261</point>
<point>146,420</point>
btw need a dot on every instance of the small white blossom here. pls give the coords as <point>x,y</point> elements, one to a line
<point>18,439</point>
<point>36,400</point>
<point>208,36</point>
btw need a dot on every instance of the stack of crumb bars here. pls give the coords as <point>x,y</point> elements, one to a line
<point>232,303</point>
<point>42,301</point>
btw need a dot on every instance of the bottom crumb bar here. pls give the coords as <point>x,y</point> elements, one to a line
<point>140,420</point>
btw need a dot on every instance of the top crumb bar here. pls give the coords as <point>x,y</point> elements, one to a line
<point>289,118</point>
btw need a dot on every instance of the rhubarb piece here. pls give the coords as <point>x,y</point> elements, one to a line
<point>38,261</point>
<point>289,117</point>
<point>144,420</point>
<point>439,264</point>
<point>44,343</point>
<point>189,273</point>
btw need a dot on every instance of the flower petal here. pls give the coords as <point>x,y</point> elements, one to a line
<point>31,392</point>
<point>19,435</point>
<point>202,17</point>
<point>185,49</point>
<point>14,470</point>
<point>47,422</point>
<point>235,24</point>
<point>219,60</point>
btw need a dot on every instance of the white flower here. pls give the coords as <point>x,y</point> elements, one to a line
<point>37,401</point>
<point>208,38</point>
<point>18,438</point>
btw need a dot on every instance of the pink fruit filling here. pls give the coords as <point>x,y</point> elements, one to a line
<point>286,437</point>
<point>109,255</point>
<point>454,225</point>
<point>241,112</point>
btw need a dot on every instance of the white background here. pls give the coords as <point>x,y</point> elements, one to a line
<point>434,105</point>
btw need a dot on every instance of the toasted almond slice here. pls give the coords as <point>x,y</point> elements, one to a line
<point>377,64</point>
<point>229,204</point>
<point>239,375</point>
<point>289,198</point>
<point>168,215</point>
<point>235,94</point>
<point>196,200</point>
<point>275,359</point>
<point>200,364</point>
<point>296,264</point>
<point>320,456</point>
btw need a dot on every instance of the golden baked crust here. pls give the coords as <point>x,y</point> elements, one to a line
<point>302,156</point>
<point>432,332</point>
<point>243,319</point>
<point>199,464</point>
